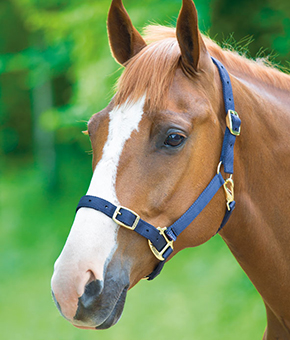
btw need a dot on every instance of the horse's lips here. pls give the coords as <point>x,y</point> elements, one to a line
<point>115,314</point>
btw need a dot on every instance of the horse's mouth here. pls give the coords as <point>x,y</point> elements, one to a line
<point>111,319</point>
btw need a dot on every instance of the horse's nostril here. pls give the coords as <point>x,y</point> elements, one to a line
<point>91,278</point>
<point>92,290</point>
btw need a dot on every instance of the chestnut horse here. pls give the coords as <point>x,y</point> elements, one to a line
<point>156,148</point>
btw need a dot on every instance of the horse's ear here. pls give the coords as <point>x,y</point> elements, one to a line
<point>125,40</point>
<point>189,37</point>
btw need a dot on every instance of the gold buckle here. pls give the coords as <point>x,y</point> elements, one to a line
<point>159,254</point>
<point>117,212</point>
<point>229,191</point>
<point>229,122</point>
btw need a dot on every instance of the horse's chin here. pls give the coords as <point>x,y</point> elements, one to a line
<point>108,320</point>
<point>116,313</point>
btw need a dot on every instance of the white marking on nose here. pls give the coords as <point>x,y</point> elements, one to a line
<point>93,237</point>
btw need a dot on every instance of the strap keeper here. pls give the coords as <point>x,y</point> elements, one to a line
<point>233,122</point>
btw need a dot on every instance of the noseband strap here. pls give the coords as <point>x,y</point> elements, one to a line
<point>161,239</point>
<point>128,219</point>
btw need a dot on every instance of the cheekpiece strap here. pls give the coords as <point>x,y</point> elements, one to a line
<point>196,208</point>
<point>233,121</point>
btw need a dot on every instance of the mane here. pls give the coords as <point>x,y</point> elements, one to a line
<point>152,70</point>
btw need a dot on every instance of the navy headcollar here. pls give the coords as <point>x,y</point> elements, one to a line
<point>161,239</point>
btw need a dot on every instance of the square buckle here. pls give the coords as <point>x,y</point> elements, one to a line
<point>229,123</point>
<point>117,212</point>
<point>159,254</point>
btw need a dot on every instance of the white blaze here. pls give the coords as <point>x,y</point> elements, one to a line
<point>93,236</point>
<point>123,121</point>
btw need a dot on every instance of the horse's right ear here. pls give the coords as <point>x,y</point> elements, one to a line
<point>125,40</point>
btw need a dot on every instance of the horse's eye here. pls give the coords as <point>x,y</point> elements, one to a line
<point>174,140</point>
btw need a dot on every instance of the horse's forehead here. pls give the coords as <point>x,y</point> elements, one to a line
<point>123,113</point>
<point>112,127</point>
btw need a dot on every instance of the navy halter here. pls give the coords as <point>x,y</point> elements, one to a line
<point>161,239</point>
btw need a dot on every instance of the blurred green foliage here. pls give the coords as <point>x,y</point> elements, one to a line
<point>55,72</point>
<point>266,23</point>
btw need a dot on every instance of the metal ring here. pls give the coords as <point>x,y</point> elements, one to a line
<point>219,167</point>
<point>219,170</point>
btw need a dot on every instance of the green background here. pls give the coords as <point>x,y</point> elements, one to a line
<point>55,72</point>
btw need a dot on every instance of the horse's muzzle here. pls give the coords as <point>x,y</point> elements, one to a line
<point>101,304</point>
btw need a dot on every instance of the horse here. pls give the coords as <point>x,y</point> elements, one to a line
<point>186,113</point>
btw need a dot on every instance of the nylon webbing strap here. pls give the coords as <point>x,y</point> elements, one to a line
<point>196,208</point>
<point>226,84</point>
<point>227,154</point>
<point>126,218</point>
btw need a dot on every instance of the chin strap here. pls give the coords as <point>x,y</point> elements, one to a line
<point>161,240</point>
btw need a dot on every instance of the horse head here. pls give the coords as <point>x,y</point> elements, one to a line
<point>155,147</point>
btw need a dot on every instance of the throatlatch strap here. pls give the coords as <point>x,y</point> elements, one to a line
<point>131,220</point>
<point>196,208</point>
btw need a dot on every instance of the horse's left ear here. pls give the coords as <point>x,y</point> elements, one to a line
<point>125,40</point>
<point>189,38</point>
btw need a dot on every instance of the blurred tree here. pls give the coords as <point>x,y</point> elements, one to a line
<point>268,22</point>
<point>13,94</point>
<point>29,66</point>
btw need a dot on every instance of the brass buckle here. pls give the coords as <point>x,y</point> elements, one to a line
<point>159,254</point>
<point>229,191</point>
<point>228,187</point>
<point>117,212</point>
<point>229,122</point>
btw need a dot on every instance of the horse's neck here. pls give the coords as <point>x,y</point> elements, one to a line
<point>275,92</point>
<point>258,233</point>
